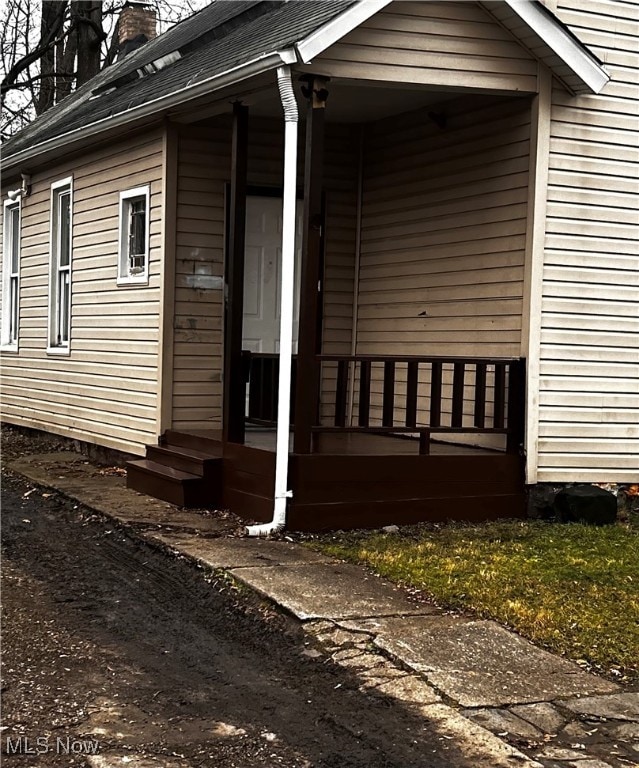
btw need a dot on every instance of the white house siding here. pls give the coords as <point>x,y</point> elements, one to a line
<point>104,391</point>
<point>443,232</point>
<point>203,172</point>
<point>442,44</point>
<point>589,366</point>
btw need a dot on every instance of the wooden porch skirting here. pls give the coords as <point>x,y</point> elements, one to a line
<point>372,488</point>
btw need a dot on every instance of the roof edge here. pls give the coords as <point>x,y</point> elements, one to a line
<point>563,42</point>
<point>337,27</point>
<point>554,33</point>
<point>257,66</point>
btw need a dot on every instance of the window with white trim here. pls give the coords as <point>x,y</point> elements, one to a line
<point>133,261</point>
<point>11,275</point>
<point>60,275</point>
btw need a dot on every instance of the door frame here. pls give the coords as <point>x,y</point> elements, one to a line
<point>253,190</point>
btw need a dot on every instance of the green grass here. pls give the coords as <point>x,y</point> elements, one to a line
<point>571,588</point>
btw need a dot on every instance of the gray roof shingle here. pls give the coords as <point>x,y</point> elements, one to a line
<point>252,29</point>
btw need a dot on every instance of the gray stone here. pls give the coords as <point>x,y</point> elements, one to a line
<point>504,723</point>
<point>588,763</point>
<point>329,591</point>
<point>239,553</point>
<point>586,504</point>
<point>562,753</point>
<point>542,715</point>
<point>575,732</point>
<point>626,732</point>
<point>479,663</point>
<point>619,706</point>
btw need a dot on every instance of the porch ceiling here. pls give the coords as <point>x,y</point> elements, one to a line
<point>358,102</point>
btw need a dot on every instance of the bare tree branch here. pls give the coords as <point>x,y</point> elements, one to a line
<point>48,47</point>
<point>47,41</point>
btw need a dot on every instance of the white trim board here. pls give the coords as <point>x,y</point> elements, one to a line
<point>557,46</point>
<point>555,43</point>
<point>318,41</point>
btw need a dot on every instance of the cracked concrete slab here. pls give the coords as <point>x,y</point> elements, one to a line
<point>330,591</point>
<point>475,741</point>
<point>502,721</point>
<point>239,553</point>
<point>623,706</point>
<point>479,663</point>
<point>542,715</point>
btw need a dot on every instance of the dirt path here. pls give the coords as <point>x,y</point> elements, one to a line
<point>105,638</point>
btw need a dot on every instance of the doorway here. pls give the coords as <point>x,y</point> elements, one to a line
<point>262,274</point>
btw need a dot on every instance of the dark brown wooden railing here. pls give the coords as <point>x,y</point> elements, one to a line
<point>262,374</point>
<point>402,395</point>
<point>441,395</point>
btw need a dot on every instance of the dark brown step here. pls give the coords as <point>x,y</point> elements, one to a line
<point>187,460</point>
<point>180,488</point>
<point>206,441</point>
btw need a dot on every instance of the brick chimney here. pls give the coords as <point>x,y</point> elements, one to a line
<point>137,25</point>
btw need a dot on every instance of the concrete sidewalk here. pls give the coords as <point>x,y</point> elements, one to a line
<point>504,701</point>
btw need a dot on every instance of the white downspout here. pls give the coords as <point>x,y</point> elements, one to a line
<point>289,104</point>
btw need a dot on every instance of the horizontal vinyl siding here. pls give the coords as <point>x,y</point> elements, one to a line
<point>444,220</point>
<point>105,391</point>
<point>589,386</point>
<point>443,236</point>
<point>341,164</point>
<point>203,170</point>
<point>446,44</point>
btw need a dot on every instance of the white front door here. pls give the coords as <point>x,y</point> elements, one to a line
<point>262,265</point>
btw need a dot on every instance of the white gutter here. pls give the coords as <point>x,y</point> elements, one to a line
<point>257,66</point>
<point>287,272</point>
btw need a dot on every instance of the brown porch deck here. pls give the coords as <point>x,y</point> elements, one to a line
<point>391,461</point>
<point>358,444</point>
<point>363,480</point>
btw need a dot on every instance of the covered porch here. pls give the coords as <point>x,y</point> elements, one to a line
<point>404,370</point>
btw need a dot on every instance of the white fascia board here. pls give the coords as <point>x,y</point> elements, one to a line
<point>336,28</point>
<point>561,42</point>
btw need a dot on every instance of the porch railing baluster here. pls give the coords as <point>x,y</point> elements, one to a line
<point>264,398</point>
<point>388,406</point>
<point>499,400</point>
<point>412,376</point>
<point>364,392</point>
<point>457,416</point>
<point>274,375</point>
<point>436,394</point>
<point>480,394</point>
<point>341,392</point>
